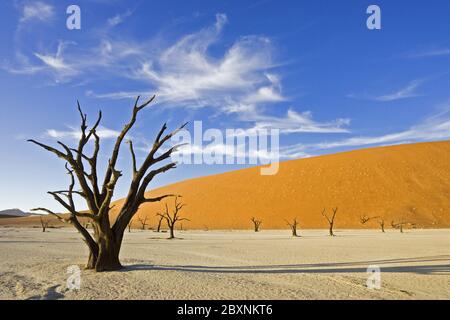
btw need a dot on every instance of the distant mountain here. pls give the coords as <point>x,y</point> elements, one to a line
<point>13,213</point>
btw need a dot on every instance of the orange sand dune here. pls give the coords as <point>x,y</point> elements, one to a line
<point>404,181</point>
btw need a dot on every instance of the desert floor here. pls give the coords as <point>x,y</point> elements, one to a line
<point>231,265</point>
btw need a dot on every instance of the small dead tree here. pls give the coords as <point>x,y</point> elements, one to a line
<point>129,225</point>
<point>105,243</point>
<point>256,223</point>
<point>364,219</point>
<point>44,223</point>
<point>293,225</point>
<point>161,218</point>
<point>381,224</point>
<point>330,219</point>
<point>173,217</point>
<point>143,221</point>
<point>399,225</point>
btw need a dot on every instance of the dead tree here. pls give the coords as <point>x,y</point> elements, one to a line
<point>381,224</point>
<point>105,243</point>
<point>143,221</point>
<point>256,224</point>
<point>293,225</point>
<point>330,219</point>
<point>399,225</point>
<point>44,224</point>
<point>173,217</point>
<point>364,219</point>
<point>161,218</point>
<point>129,225</point>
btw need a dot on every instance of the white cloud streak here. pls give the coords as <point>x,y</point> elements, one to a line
<point>36,10</point>
<point>186,74</point>
<point>432,129</point>
<point>432,53</point>
<point>409,91</point>
<point>294,122</point>
<point>75,133</point>
<point>119,18</point>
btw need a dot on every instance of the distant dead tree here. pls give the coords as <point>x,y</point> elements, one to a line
<point>330,219</point>
<point>129,225</point>
<point>364,219</point>
<point>105,244</point>
<point>44,223</point>
<point>399,225</point>
<point>143,221</point>
<point>173,217</point>
<point>256,223</point>
<point>293,225</point>
<point>161,218</point>
<point>381,224</point>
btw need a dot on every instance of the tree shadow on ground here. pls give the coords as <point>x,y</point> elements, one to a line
<point>413,265</point>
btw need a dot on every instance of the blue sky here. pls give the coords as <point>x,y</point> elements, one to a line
<point>310,68</point>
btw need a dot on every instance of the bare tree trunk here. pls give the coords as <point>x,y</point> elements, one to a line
<point>294,232</point>
<point>44,224</point>
<point>109,250</point>
<point>256,224</point>
<point>172,235</point>
<point>330,220</point>
<point>92,260</point>
<point>331,230</point>
<point>158,229</point>
<point>293,225</point>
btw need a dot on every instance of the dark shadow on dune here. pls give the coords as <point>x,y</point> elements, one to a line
<point>344,267</point>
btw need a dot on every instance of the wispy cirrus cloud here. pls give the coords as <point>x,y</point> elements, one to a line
<point>294,122</point>
<point>49,63</point>
<point>56,64</point>
<point>75,133</point>
<point>436,127</point>
<point>439,52</point>
<point>119,18</point>
<point>187,74</point>
<point>240,80</point>
<point>36,11</point>
<point>408,91</point>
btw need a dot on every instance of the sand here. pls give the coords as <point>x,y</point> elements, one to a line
<point>231,265</point>
<point>410,182</point>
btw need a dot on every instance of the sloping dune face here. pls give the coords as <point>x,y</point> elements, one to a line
<point>410,182</point>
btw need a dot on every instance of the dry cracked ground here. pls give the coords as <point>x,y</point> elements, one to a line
<point>231,265</point>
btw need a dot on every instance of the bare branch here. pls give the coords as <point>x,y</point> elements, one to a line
<point>157,199</point>
<point>133,157</point>
<point>119,140</point>
<point>53,150</point>
<point>66,220</point>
